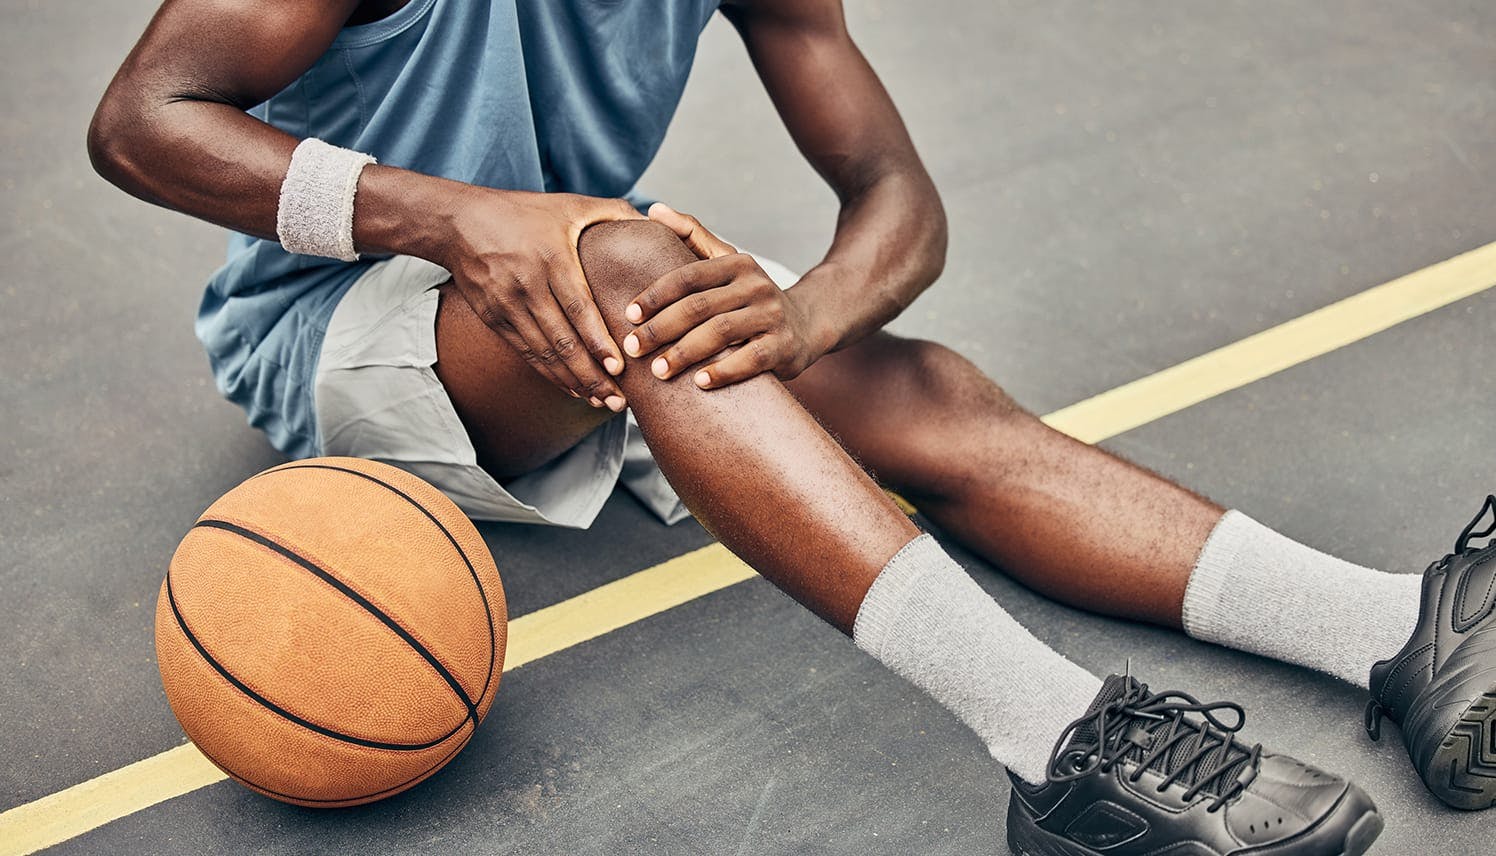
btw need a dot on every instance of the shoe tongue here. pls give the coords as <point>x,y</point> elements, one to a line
<point>1113,688</point>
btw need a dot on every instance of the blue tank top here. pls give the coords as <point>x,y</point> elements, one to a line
<point>541,95</point>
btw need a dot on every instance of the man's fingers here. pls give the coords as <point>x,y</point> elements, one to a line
<point>708,340</point>
<point>696,236</point>
<point>755,357</point>
<point>568,354</point>
<point>512,323</point>
<point>576,301</point>
<point>701,309</point>
<point>539,349</point>
<point>575,294</point>
<point>509,332</point>
<point>676,284</point>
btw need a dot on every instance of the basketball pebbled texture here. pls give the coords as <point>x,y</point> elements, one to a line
<point>331,631</point>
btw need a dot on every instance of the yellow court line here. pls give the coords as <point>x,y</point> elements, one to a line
<point>88,805</point>
<point>71,812</point>
<point>623,602</point>
<point>1273,350</point>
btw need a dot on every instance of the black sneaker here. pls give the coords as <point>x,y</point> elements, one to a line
<point>1440,689</point>
<point>1135,776</point>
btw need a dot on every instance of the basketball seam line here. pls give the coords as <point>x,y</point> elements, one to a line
<point>379,794</point>
<point>348,592</point>
<point>380,604</point>
<point>482,593</point>
<point>171,599</point>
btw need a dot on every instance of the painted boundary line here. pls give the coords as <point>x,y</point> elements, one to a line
<point>1273,350</point>
<point>73,811</point>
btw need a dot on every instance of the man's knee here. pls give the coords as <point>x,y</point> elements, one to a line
<point>951,381</point>
<point>621,258</point>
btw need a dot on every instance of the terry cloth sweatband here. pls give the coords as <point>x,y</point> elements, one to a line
<point>315,217</point>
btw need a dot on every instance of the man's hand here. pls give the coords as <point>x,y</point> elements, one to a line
<point>514,259</point>
<point>513,256</point>
<point>695,312</point>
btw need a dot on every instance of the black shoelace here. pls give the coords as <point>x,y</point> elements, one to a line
<point>1462,543</point>
<point>1150,730</point>
<point>1374,709</point>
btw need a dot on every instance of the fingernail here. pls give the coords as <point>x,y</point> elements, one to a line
<point>612,365</point>
<point>634,313</point>
<point>702,378</point>
<point>659,367</point>
<point>631,345</point>
<point>596,402</point>
<point>615,403</point>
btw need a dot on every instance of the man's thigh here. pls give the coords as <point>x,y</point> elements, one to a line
<point>518,420</point>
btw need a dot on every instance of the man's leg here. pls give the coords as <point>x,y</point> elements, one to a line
<point>761,474</point>
<point>1065,518</point>
<point>753,466</point>
<point>1090,529</point>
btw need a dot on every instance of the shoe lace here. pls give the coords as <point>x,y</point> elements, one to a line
<point>1462,543</point>
<point>1152,731</point>
<point>1375,710</point>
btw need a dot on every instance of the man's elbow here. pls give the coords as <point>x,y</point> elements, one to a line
<point>103,145</point>
<point>109,141</point>
<point>923,224</point>
<point>935,239</point>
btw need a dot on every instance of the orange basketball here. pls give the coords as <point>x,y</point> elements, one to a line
<point>331,631</point>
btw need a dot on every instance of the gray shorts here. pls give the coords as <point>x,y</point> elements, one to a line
<point>376,396</point>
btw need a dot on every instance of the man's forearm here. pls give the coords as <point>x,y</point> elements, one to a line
<point>889,247</point>
<point>217,163</point>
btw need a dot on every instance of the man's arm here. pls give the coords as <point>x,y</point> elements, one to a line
<point>891,233</point>
<point>890,236</point>
<point>172,129</point>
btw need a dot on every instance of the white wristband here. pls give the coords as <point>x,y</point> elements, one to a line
<point>316,200</point>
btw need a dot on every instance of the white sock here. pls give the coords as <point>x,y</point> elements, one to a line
<point>929,622</point>
<point>1256,590</point>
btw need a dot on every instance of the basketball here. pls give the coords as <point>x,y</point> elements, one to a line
<point>331,632</point>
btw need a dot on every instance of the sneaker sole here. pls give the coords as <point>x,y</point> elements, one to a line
<point>1025,838</point>
<point>1462,772</point>
<point>1362,833</point>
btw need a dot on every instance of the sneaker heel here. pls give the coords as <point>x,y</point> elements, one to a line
<point>1463,771</point>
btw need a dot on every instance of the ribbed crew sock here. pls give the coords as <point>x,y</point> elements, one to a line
<point>927,620</point>
<point>1256,590</point>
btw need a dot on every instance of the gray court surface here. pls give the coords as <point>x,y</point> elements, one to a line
<point>1129,185</point>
